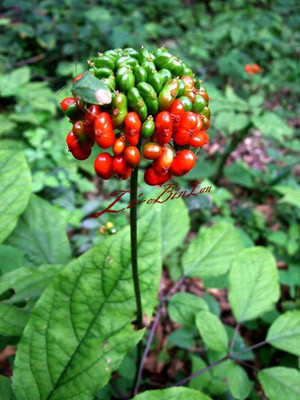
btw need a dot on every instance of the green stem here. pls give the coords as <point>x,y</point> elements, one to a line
<point>134,264</point>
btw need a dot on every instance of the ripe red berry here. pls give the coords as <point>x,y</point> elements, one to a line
<point>72,141</point>
<point>103,165</point>
<point>132,156</point>
<point>176,110</point>
<point>132,129</point>
<point>91,114</point>
<point>199,139</point>
<point>119,145</point>
<point>163,127</point>
<point>187,128</point>
<point>104,133</point>
<point>77,78</point>
<point>152,150</point>
<point>81,154</point>
<point>183,162</point>
<point>162,164</point>
<point>152,179</point>
<point>120,167</point>
<point>67,102</point>
<point>78,129</point>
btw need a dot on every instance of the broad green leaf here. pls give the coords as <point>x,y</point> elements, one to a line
<point>175,393</point>
<point>202,381</point>
<point>284,333</point>
<point>211,253</point>
<point>10,83</point>
<point>175,221</point>
<point>212,331</point>
<point>80,329</point>
<point>40,235</point>
<point>253,283</point>
<point>271,125</point>
<point>238,123</point>
<point>11,258</point>
<point>291,195</point>
<point>182,337</point>
<point>239,173</point>
<point>14,190</point>
<point>183,307</point>
<point>280,383</point>
<point>237,102</point>
<point>12,320</point>
<point>27,284</point>
<point>239,383</point>
<point>92,90</point>
<point>6,392</point>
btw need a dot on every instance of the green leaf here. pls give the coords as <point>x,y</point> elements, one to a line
<point>12,320</point>
<point>212,331</point>
<point>92,90</point>
<point>271,125</point>
<point>238,123</point>
<point>280,383</point>
<point>238,103</point>
<point>175,220</point>
<point>6,392</point>
<point>183,307</point>
<point>291,195</point>
<point>10,83</point>
<point>202,381</point>
<point>211,253</point>
<point>253,283</point>
<point>239,384</point>
<point>14,190</point>
<point>11,258</point>
<point>80,329</point>
<point>284,333</point>
<point>175,393</point>
<point>239,173</point>
<point>41,235</point>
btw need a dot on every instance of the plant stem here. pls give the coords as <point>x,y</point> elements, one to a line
<point>134,264</point>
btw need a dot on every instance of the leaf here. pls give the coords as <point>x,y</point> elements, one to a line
<point>80,329</point>
<point>92,90</point>
<point>11,258</point>
<point>182,338</point>
<point>202,381</point>
<point>11,82</point>
<point>253,283</point>
<point>211,253</point>
<point>175,393</point>
<point>239,384</point>
<point>175,220</point>
<point>271,125</point>
<point>14,190</point>
<point>284,333</point>
<point>238,123</point>
<point>237,102</point>
<point>41,235</point>
<point>183,307</point>
<point>12,320</point>
<point>6,392</point>
<point>239,173</point>
<point>212,331</point>
<point>291,195</point>
<point>280,383</point>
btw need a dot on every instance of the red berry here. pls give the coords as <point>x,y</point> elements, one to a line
<point>176,110</point>
<point>104,133</point>
<point>132,156</point>
<point>199,139</point>
<point>103,165</point>
<point>163,127</point>
<point>91,114</point>
<point>187,128</point>
<point>162,164</point>
<point>121,168</point>
<point>77,78</point>
<point>78,129</point>
<point>132,129</point>
<point>81,154</point>
<point>72,141</point>
<point>119,145</point>
<point>152,150</point>
<point>67,102</point>
<point>152,179</point>
<point>183,162</point>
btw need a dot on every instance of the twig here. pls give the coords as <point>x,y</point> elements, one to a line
<point>31,60</point>
<point>234,338</point>
<point>148,345</point>
<point>255,346</point>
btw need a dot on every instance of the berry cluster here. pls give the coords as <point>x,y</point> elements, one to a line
<point>156,103</point>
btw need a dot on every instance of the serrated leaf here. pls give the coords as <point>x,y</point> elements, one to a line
<point>211,252</point>
<point>183,307</point>
<point>175,220</point>
<point>11,82</point>
<point>253,283</point>
<point>92,90</point>
<point>280,383</point>
<point>238,123</point>
<point>15,189</point>
<point>239,384</point>
<point>176,393</point>
<point>80,329</point>
<point>6,392</point>
<point>284,333</point>
<point>212,331</point>
<point>41,235</point>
